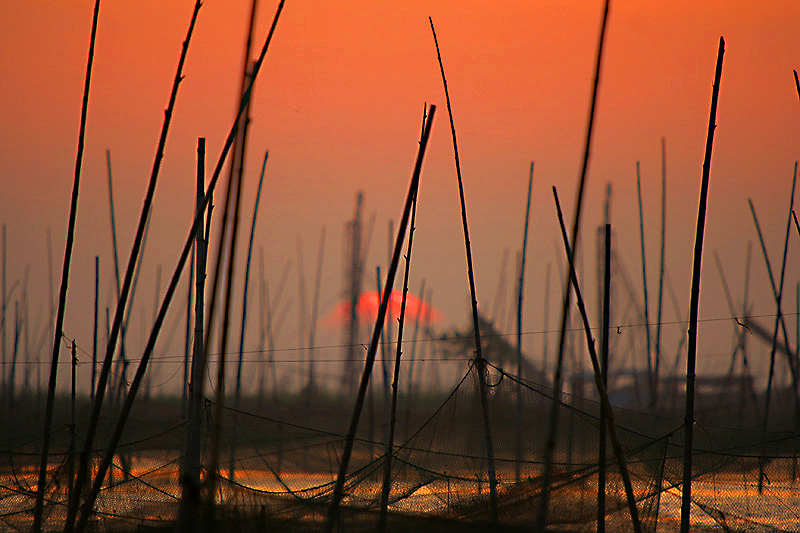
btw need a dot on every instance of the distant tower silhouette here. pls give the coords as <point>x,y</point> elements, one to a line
<point>353,270</point>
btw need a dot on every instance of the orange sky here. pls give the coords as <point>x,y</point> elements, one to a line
<point>338,105</point>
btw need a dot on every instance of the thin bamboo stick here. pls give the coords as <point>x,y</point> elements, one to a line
<point>541,522</point>
<point>387,467</point>
<point>188,519</point>
<point>688,422</point>
<point>520,295</point>
<point>312,332</point>
<point>778,317</point>
<point>238,397</point>
<point>126,285</point>
<point>338,491</point>
<point>774,285</point>
<point>601,470</point>
<point>650,374</point>
<point>657,360</point>
<point>479,361</point>
<point>94,335</point>
<point>62,297</point>
<point>598,375</point>
<point>105,463</point>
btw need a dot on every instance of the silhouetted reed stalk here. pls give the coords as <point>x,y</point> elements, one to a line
<point>232,200</point>
<point>650,372</point>
<point>778,317</point>
<point>187,343</point>
<point>691,356</point>
<point>387,467</point>
<point>106,461</point>
<point>598,376</point>
<point>657,355</point>
<point>238,397</point>
<point>541,522</point>
<point>480,363</point>
<point>312,330</point>
<point>94,334</point>
<point>114,248</point>
<point>606,324</point>
<point>190,466</point>
<point>741,330</point>
<point>338,492</point>
<point>62,297</point>
<point>520,295</point>
<point>796,224</point>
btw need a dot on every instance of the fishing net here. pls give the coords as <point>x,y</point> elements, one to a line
<point>278,466</point>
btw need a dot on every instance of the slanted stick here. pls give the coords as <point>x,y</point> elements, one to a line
<point>479,361</point>
<point>62,296</point>
<point>691,355</point>
<point>338,491</point>
<point>105,463</point>
<point>599,379</point>
<point>650,376</point>
<point>657,355</point>
<point>550,443</point>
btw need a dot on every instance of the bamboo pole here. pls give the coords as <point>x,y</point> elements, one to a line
<point>71,459</point>
<point>599,374</point>
<point>12,376</point>
<point>187,345</point>
<point>601,471</point>
<point>792,364</point>
<point>387,468</point>
<point>657,361</point>
<point>520,295</point>
<point>105,463</point>
<point>312,332</point>
<point>650,373</point>
<point>338,492</point>
<point>62,297</point>
<point>188,520</point>
<point>541,523</point>
<point>688,422</point>
<point>126,285</point>
<point>479,361</point>
<point>94,335</point>
<point>301,308</point>
<point>238,397</point>
<point>778,317</point>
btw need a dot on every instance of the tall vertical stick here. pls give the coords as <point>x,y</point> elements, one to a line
<point>187,345</point>
<point>778,318</point>
<point>557,379</point>
<point>520,295</point>
<point>119,314</point>
<point>238,397</point>
<point>598,375</point>
<point>338,491</point>
<point>94,336</point>
<point>657,355</point>
<point>650,379</point>
<point>312,331</point>
<point>71,469</point>
<point>190,468</point>
<point>601,472</point>
<point>691,355</point>
<point>479,361</point>
<point>62,296</point>
<point>387,467</point>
